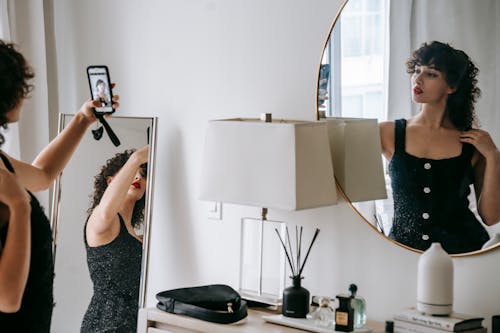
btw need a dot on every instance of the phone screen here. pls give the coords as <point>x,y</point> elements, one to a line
<point>100,87</point>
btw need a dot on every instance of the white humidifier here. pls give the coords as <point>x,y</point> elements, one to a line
<point>435,282</point>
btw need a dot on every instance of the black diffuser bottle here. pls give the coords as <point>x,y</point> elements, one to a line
<point>295,299</point>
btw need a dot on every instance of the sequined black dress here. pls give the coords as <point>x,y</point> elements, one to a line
<point>430,199</point>
<point>37,303</point>
<point>115,270</point>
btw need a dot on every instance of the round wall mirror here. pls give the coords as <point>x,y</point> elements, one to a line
<point>362,75</point>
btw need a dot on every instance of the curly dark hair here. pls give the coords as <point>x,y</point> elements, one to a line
<point>15,73</point>
<point>460,73</point>
<point>112,166</point>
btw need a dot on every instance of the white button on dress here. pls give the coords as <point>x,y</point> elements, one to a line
<point>425,237</point>
<point>427,166</point>
<point>425,216</point>
<point>427,190</point>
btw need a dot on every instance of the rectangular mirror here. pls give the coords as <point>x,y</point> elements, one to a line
<point>72,194</point>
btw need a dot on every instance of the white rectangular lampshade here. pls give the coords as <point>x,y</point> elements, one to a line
<point>282,164</point>
<point>357,157</point>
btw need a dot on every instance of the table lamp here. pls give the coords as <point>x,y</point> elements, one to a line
<point>279,164</point>
<point>357,157</point>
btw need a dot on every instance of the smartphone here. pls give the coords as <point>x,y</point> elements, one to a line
<point>100,88</point>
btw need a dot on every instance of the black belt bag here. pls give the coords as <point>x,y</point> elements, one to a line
<point>216,303</point>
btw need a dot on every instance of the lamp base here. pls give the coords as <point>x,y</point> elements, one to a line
<point>264,299</point>
<point>262,262</point>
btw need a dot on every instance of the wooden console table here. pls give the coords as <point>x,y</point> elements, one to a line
<point>153,320</point>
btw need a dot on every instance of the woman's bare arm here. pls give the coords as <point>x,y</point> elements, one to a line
<point>40,174</point>
<point>104,215</point>
<point>15,252</point>
<point>387,138</point>
<point>486,162</point>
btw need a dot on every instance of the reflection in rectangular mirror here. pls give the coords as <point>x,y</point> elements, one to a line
<point>73,192</point>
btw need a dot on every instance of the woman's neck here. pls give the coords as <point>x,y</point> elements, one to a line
<point>433,116</point>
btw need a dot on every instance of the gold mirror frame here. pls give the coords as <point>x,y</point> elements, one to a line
<point>339,188</point>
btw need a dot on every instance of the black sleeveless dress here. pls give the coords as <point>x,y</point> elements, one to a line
<point>37,303</point>
<point>115,270</point>
<point>430,199</point>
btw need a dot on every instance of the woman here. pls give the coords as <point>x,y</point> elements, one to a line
<point>435,156</point>
<point>26,266</point>
<point>114,250</point>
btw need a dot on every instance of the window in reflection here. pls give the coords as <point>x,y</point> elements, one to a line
<point>353,64</point>
<point>352,80</point>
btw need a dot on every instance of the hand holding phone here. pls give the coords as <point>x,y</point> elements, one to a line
<point>100,88</point>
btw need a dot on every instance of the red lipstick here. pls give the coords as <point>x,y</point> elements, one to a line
<point>136,185</point>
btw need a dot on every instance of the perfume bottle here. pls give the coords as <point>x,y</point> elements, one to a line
<point>359,306</point>
<point>324,315</point>
<point>389,326</point>
<point>344,314</point>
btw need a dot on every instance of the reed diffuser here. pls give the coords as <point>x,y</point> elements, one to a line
<point>296,297</point>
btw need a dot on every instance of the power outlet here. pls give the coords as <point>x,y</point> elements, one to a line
<point>215,210</point>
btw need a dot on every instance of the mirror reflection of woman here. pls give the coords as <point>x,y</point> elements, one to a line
<point>114,249</point>
<point>435,156</point>
<point>101,92</point>
<point>26,264</point>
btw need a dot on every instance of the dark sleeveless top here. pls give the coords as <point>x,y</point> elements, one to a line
<point>115,270</point>
<point>37,303</point>
<point>430,199</point>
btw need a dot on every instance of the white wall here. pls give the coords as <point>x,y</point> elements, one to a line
<point>188,61</point>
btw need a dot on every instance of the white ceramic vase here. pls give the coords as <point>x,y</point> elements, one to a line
<point>435,282</point>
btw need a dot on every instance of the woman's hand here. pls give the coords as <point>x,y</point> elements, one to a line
<point>142,154</point>
<point>87,109</point>
<point>481,140</point>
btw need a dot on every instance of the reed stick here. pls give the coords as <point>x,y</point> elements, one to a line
<point>296,267</point>
<point>308,251</point>
<point>284,247</point>
<point>291,252</point>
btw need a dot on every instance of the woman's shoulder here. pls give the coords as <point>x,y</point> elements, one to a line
<point>387,137</point>
<point>387,124</point>
<point>387,128</point>
<point>390,125</point>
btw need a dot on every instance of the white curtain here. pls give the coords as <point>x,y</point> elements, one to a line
<point>467,25</point>
<point>11,134</point>
<point>23,22</point>
<point>398,49</point>
<point>4,20</point>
